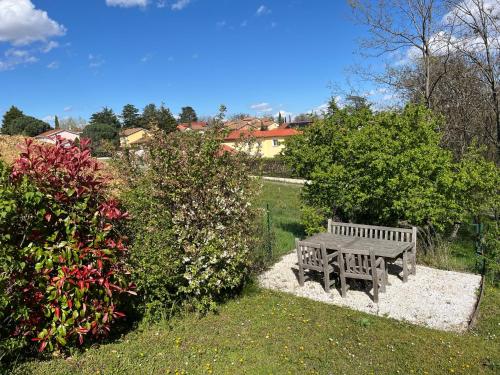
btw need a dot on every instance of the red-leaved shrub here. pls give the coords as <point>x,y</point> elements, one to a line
<point>67,257</point>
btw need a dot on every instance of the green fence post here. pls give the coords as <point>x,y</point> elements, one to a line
<point>269,244</point>
<point>479,243</point>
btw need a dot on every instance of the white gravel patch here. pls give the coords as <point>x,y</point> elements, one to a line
<point>433,298</point>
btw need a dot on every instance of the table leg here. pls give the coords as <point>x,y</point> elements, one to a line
<point>387,272</point>
<point>405,267</point>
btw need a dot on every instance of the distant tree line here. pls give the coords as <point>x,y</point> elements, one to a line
<point>104,126</point>
<point>16,122</point>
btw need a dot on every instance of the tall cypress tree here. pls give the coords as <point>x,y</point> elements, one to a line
<point>56,123</point>
<point>9,117</point>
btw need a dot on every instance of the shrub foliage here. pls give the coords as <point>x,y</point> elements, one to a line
<point>62,258</point>
<point>193,223</point>
<point>388,168</point>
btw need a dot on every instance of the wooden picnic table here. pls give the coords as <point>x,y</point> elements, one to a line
<point>382,248</point>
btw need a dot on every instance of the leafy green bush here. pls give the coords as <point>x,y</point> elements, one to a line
<point>62,258</point>
<point>275,167</point>
<point>388,168</point>
<point>192,222</point>
<point>492,253</point>
<point>104,138</point>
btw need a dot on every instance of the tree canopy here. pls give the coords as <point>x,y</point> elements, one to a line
<point>8,119</point>
<point>161,117</point>
<point>105,116</point>
<point>130,116</point>
<point>104,138</point>
<point>187,115</point>
<point>28,126</point>
<point>388,168</point>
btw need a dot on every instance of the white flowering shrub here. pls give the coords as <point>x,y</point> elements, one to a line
<point>193,224</point>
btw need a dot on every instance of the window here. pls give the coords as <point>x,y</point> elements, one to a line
<point>276,143</point>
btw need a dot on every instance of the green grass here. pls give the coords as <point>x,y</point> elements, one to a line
<point>264,332</point>
<point>284,207</point>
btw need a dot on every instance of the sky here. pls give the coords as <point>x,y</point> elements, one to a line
<point>71,58</point>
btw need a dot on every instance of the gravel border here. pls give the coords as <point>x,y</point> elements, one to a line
<point>433,298</point>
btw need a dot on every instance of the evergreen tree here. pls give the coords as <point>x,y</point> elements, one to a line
<point>28,126</point>
<point>187,115</point>
<point>106,116</point>
<point>56,123</point>
<point>149,116</point>
<point>357,103</point>
<point>104,138</point>
<point>130,116</point>
<point>280,119</point>
<point>166,121</point>
<point>332,107</point>
<point>9,117</point>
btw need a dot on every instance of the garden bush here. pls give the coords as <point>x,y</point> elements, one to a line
<point>389,168</point>
<point>62,258</point>
<point>193,225</point>
<point>275,167</point>
<point>491,254</point>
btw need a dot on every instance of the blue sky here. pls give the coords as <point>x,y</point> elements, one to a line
<point>256,57</point>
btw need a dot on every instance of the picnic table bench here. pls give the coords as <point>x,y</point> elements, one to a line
<point>386,242</point>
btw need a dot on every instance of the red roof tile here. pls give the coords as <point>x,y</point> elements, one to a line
<point>237,134</point>
<point>226,148</point>
<point>198,125</point>
<point>51,132</point>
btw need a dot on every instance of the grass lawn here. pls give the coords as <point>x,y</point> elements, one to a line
<point>265,332</point>
<point>284,207</point>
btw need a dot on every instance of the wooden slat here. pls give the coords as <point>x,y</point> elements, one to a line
<point>407,230</point>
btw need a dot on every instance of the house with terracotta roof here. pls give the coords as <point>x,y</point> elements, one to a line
<point>196,126</point>
<point>266,143</point>
<point>133,136</point>
<point>252,123</point>
<point>50,135</point>
<point>296,124</point>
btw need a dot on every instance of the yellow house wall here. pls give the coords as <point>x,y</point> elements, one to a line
<point>125,141</point>
<point>266,149</point>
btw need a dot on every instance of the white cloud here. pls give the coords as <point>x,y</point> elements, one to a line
<point>49,46</point>
<point>261,107</point>
<point>147,58</point>
<point>95,61</point>
<point>126,3</point>
<point>161,4</point>
<point>244,23</point>
<point>443,42</point>
<point>321,109</point>
<point>221,24</point>
<point>21,23</point>
<point>468,9</point>
<point>284,114</point>
<point>68,108</point>
<point>53,65</point>
<point>180,4</point>
<point>262,10</point>
<point>14,57</point>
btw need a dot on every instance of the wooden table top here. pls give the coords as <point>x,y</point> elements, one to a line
<point>383,248</point>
